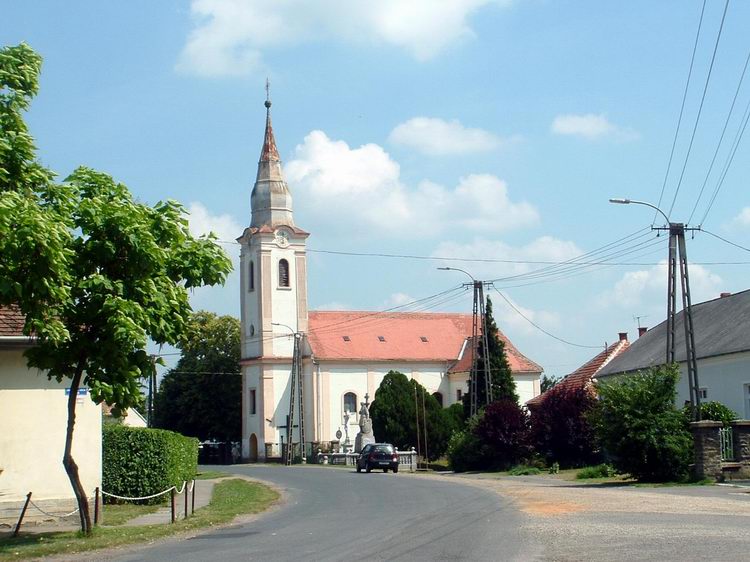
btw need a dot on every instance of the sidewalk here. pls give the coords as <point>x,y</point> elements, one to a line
<point>203,491</point>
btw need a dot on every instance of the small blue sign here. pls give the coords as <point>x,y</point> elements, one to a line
<point>81,392</point>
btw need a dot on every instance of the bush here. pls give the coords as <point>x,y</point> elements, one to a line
<point>139,462</point>
<point>560,428</point>
<point>640,428</point>
<point>465,451</point>
<point>523,470</point>
<point>504,430</point>
<point>715,411</point>
<point>599,471</point>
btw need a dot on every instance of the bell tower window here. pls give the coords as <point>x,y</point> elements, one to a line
<point>251,277</point>
<point>283,273</point>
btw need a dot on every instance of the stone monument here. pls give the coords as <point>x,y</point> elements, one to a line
<point>347,445</point>
<point>365,434</point>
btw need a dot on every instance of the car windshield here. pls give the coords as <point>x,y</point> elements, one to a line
<point>383,449</point>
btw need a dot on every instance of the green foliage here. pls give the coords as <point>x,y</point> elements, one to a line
<point>139,462</point>
<point>393,414</point>
<point>715,411</point>
<point>523,470</point>
<point>465,450</point>
<point>640,428</point>
<point>202,395</point>
<point>548,382</point>
<point>560,427</point>
<point>503,385</point>
<point>599,471</point>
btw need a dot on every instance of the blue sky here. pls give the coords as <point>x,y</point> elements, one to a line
<point>467,128</point>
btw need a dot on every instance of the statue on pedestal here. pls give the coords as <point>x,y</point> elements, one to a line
<point>347,445</point>
<point>365,434</point>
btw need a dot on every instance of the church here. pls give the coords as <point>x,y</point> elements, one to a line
<point>344,355</point>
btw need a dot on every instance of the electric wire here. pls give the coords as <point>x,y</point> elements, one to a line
<point>721,138</point>
<point>682,110</point>
<point>700,109</point>
<point>725,240</point>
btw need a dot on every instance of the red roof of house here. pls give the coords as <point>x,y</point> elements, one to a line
<point>11,321</point>
<point>409,336</point>
<point>582,376</point>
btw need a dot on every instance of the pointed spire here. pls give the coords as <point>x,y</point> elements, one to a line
<point>269,152</point>
<point>271,201</point>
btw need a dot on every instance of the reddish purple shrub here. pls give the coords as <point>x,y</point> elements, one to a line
<point>504,431</point>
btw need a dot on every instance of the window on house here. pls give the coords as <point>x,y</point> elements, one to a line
<point>346,338</point>
<point>381,338</point>
<point>423,338</point>
<point>703,393</point>
<point>350,402</point>
<point>439,397</point>
<point>459,394</point>
<point>251,277</point>
<point>252,405</point>
<point>283,273</point>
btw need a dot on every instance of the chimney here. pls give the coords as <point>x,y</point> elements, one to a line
<point>724,295</point>
<point>642,330</point>
<point>623,336</point>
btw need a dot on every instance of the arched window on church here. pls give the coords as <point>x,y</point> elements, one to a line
<point>283,273</point>
<point>350,402</point>
<point>439,397</point>
<point>251,277</point>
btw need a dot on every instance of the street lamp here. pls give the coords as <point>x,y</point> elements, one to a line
<point>457,269</point>
<point>677,240</point>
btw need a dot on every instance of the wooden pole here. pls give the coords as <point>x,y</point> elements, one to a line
<point>192,509</point>
<point>186,499</point>
<point>173,504</point>
<point>96,505</point>
<point>23,512</point>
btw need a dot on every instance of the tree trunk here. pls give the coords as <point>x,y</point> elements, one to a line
<point>71,468</point>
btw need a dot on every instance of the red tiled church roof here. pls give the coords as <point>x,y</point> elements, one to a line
<point>408,336</point>
<point>583,375</point>
<point>11,321</point>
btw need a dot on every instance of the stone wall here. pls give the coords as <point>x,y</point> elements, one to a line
<point>707,449</point>
<point>741,435</point>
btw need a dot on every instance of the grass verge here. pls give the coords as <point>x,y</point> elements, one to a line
<point>211,475</point>
<point>117,514</point>
<point>230,498</point>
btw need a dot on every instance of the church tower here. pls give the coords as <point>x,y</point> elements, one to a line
<point>273,282</point>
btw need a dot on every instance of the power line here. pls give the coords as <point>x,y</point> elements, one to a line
<point>682,109</point>
<point>538,327</point>
<point>700,109</point>
<point>721,138</point>
<point>725,240</point>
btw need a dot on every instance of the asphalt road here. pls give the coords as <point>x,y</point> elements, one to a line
<point>336,514</point>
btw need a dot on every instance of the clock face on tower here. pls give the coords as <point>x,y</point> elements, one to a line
<point>282,238</point>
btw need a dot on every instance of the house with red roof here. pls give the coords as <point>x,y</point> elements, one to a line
<point>345,354</point>
<point>585,375</point>
<point>33,418</point>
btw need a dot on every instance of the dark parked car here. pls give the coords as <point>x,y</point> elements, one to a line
<point>378,455</point>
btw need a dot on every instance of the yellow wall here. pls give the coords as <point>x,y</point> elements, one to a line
<point>33,418</point>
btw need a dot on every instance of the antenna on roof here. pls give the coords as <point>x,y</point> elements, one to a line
<point>638,319</point>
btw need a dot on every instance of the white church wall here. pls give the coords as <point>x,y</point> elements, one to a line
<point>281,376</point>
<point>526,386</point>
<point>251,422</point>
<point>284,302</point>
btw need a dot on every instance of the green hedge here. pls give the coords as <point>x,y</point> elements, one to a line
<point>139,462</point>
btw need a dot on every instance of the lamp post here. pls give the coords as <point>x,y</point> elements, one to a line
<point>296,398</point>
<point>477,319</point>
<point>677,242</point>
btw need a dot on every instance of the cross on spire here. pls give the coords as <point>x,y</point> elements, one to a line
<point>268,94</point>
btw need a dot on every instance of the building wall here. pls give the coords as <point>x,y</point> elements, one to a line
<point>31,454</point>
<point>726,379</point>
<point>527,386</point>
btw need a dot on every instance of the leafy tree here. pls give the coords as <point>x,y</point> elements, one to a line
<point>715,411</point>
<point>202,396</point>
<point>639,426</point>
<point>394,420</point>
<point>465,450</point>
<point>94,272</point>
<point>547,382</point>
<point>503,385</point>
<point>504,430</point>
<point>560,428</point>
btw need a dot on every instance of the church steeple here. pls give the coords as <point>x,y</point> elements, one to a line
<point>271,200</point>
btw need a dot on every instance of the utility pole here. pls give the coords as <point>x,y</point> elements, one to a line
<point>478,337</point>
<point>678,254</point>
<point>296,401</point>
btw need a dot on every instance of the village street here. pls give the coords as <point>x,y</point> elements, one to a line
<point>336,514</point>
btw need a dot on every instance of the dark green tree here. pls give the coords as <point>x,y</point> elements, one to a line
<point>548,382</point>
<point>202,396</point>
<point>95,273</point>
<point>639,427</point>
<point>394,419</point>
<point>503,385</point>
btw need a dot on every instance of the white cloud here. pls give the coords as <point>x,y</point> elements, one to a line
<point>590,126</point>
<point>362,186</point>
<point>231,35</point>
<point>543,249</point>
<point>644,287</point>
<point>742,220</point>
<point>437,137</point>
<point>397,299</point>
<point>509,320</point>
<point>201,222</point>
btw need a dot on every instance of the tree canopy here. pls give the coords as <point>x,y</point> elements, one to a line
<point>202,396</point>
<point>95,272</point>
